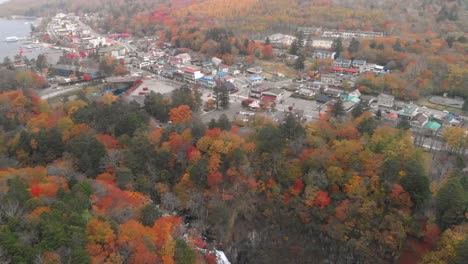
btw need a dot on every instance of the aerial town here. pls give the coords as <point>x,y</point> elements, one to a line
<point>164,68</point>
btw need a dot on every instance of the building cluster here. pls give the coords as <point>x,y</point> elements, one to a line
<point>321,38</point>
<point>426,119</point>
<point>184,65</point>
<point>349,34</point>
<point>420,118</point>
<point>281,40</point>
<point>81,42</point>
<point>357,66</point>
<point>68,27</point>
<point>343,75</point>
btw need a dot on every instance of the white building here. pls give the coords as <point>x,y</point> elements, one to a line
<point>95,42</point>
<point>322,43</point>
<point>279,40</point>
<point>348,34</point>
<point>386,100</point>
<point>184,57</point>
<point>275,95</point>
<point>323,54</point>
<point>372,67</point>
<point>191,74</point>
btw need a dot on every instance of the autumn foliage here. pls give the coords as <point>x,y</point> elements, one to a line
<point>181,114</point>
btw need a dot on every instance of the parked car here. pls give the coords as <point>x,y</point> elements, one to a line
<point>145,89</point>
<point>141,93</point>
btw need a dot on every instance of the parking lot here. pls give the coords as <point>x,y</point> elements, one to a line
<point>310,108</point>
<point>155,85</point>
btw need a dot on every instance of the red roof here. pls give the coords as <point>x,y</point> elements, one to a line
<point>191,70</point>
<point>337,69</point>
<point>352,70</point>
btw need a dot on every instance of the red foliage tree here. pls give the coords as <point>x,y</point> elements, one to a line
<point>267,51</point>
<point>431,234</point>
<point>286,198</point>
<point>340,210</point>
<point>211,259</point>
<point>321,199</point>
<point>108,141</point>
<point>214,178</point>
<point>35,191</point>
<point>297,187</point>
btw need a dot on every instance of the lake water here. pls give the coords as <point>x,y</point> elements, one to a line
<point>20,29</point>
<point>10,28</point>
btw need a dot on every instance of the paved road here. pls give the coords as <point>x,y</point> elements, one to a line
<point>60,90</point>
<point>231,113</point>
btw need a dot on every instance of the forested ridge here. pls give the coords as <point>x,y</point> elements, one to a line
<point>88,181</point>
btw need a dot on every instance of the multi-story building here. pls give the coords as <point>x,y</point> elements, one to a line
<point>323,54</point>
<point>385,100</point>
<point>191,74</point>
<point>322,43</point>
<point>256,91</point>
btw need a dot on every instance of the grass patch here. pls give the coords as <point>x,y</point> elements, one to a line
<point>427,161</point>
<point>305,97</point>
<point>277,67</point>
<point>425,102</point>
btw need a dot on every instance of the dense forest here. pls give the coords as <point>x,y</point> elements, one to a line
<point>99,182</point>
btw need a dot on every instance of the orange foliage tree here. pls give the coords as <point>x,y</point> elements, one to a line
<point>101,240</point>
<point>181,114</point>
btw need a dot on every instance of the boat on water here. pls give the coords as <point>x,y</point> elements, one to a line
<point>11,39</point>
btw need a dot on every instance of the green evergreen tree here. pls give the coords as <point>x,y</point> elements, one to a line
<point>184,254</point>
<point>212,124</point>
<point>294,48</point>
<point>403,124</point>
<point>451,203</point>
<point>367,125</point>
<point>416,183</point>
<point>149,213</point>
<point>222,96</point>
<point>358,110</point>
<point>269,139</point>
<point>157,106</point>
<point>338,109</point>
<point>224,123</point>
<point>461,252</point>
<point>353,46</point>
<point>300,38</point>
<point>291,127</point>
<point>337,47</point>
<point>88,152</point>
<point>397,46</point>
<point>299,63</point>
<point>379,113</point>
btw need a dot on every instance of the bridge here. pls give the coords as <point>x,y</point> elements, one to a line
<point>122,79</point>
